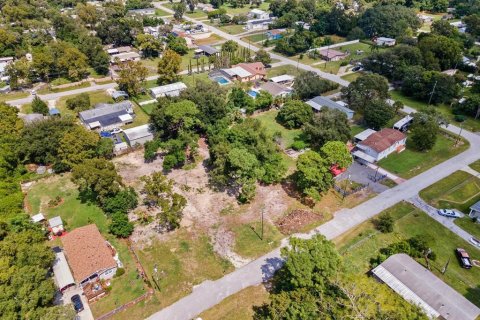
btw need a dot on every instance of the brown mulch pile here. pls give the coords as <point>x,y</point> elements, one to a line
<point>296,220</point>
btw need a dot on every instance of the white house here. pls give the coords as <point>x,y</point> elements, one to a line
<point>385,42</point>
<point>168,90</point>
<point>258,24</point>
<point>380,144</point>
<point>138,135</point>
<point>258,14</point>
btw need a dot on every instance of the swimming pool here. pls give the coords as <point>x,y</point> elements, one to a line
<point>253,94</point>
<point>221,80</point>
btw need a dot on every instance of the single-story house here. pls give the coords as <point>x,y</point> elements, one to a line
<point>274,34</point>
<point>61,272</point>
<point>363,135</point>
<point>168,90</point>
<point>124,57</point>
<point>108,116</point>
<point>258,24</point>
<point>276,89</point>
<point>138,135</point>
<point>332,55</point>
<point>382,143</point>
<point>319,102</point>
<point>404,123</point>
<point>55,225</point>
<point>117,50</point>
<point>258,14</point>
<point>385,42</point>
<point>89,255</point>
<point>283,79</point>
<point>207,51</point>
<point>243,72</point>
<point>475,210</point>
<point>421,287</point>
<point>256,69</point>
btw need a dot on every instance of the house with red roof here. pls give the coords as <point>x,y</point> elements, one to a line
<point>380,144</point>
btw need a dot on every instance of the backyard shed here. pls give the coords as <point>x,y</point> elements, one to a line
<point>56,225</point>
<point>421,287</point>
<point>39,217</point>
<point>138,135</point>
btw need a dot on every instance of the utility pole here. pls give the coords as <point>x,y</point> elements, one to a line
<point>459,134</point>
<point>433,91</point>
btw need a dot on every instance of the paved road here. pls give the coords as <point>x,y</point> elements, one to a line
<point>446,222</point>
<point>235,38</point>
<point>210,293</point>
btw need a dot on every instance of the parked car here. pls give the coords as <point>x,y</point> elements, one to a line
<point>475,242</point>
<point>357,68</point>
<point>116,130</point>
<point>448,213</point>
<point>77,303</point>
<point>464,258</point>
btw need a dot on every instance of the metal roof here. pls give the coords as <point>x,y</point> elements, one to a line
<point>238,71</point>
<point>38,217</point>
<point>208,49</point>
<point>138,132</point>
<point>282,78</point>
<point>103,109</point>
<point>55,222</point>
<point>61,272</point>
<point>400,123</point>
<point>421,287</point>
<point>364,134</point>
<point>166,89</point>
<point>318,102</point>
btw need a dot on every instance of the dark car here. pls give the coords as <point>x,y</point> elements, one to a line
<point>464,258</point>
<point>77,303</point>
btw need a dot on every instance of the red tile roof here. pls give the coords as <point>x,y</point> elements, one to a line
<point>87,252</point>
<point>383,139</point>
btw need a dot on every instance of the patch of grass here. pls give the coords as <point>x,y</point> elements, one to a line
<point>13,95</point>
<point>248,242</point>
<point>161,13</point>
<point>141,117</point>
<point>410,163</point>
<point>238,306</point>
<point>184,260</point>
<point>233,28</point>
<point>459,191</point>
<point>469,225</point>
<point>388,182</point>
<point>288,136</point>
<point>475,165</point>
<point>213,39</point>
<point>281,70</point>
<point>470,123</point>
<point>351,76</point>
<point>73,211</point>
<point>148,108</point>
<point>191,80</point>
<point>95,97</point>
<point>245,9</point>
<point>196,14</point>
<point>256,37</point>
<point>52,90</point>
<point>362,243</point>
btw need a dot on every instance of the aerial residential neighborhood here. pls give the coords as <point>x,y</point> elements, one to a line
<point>178,160</point>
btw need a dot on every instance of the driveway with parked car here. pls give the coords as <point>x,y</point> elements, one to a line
<point>86,313</point>
<point>360,174</point>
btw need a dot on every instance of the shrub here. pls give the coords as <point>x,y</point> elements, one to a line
<point>343,63</point>
<point>384,223</point>
<point>459,118</point>
<point>120,272</point>
<point>299,145</point>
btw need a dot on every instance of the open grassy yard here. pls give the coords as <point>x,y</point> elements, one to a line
<point>141,117</point>
<point>213,39</point>
<point>281,70</point>
<point>470,123</point>
<point>51,90</point>
<point>99,96</point>
<point>409,163</point>
<point>161,13</point>
<point>232,28</point>
<point>475,166</point>
<point>245,9</point>
<point>196,14</point>
<point>459,190</point>
<point>13,95</point>
<point>184,260</point>
<point>248,241</point>
<point>76,212</point>
<point>238,306</point>
<point>351,76</point>
<point>288,136</point>
<point>362,243</point>
<point>469,225</point>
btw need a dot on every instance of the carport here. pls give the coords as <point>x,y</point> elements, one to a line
<point>61,271</point>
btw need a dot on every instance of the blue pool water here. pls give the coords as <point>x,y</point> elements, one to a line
<point>253,94</point>
<point>221,80</point>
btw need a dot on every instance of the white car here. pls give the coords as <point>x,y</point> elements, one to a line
<point>116,130</point>
<point>448,213</point>
<point>475,242</point>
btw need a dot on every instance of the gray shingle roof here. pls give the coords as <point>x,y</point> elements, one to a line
<point>318,102</point>
<point>103,109</point>
<point>476,206</point>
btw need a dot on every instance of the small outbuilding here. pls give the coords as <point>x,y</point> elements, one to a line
<point>385,42</point>
<point>169,90</point>
<point>285,79</point>
<point>332,55</point>
<point>404,123</point>
<point>475,210</point>
<point>138,135</point>
<point>55,225</point>
<point>319,102</point>
<point>39,217</point>
<point>207,51</point>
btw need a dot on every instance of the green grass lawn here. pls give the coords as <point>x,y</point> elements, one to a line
<point>256,37</point>
<point>470,123</point>
<point>288,136</point>
<point>99,96</point>
<point>467,224</point>
<point>248,242</point>
<point>409,163</point>
<point>281,70</point>
<point>232,28</point>
<point>141,117</point>
<point>245,9</point>
<point>459,190</point>
<point>362,243</point>
<point>351,76</point>
<point>13,95</point>
<point>78,86</point>
<point>161,13</point>
<point>184,260</point>
<point>475,166</point>
<point>196,14</point>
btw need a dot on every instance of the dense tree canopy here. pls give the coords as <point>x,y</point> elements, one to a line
<point>388,21</point>
<point>294,114</point>
<point>327,125</point>
<point>364,90</point>
<point>378,113</point>
<point>309,84</point>
<point>313,176</point>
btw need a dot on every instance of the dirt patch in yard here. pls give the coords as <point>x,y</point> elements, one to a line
<point>297,220</point>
